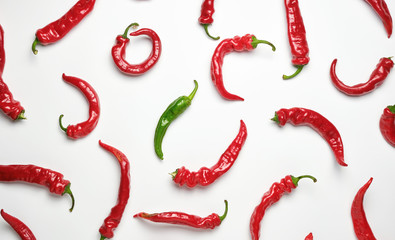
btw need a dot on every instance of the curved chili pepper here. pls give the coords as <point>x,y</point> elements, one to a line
<point>387,124</point>
<point>54,181</point>
<point>20,228</point>
<point>296,37</point>
<point>84,128</point>
<point>272,196</point>
<point>175,109</point>
<point>206,16</point>
<point>309,237</point>
<point>56,30</point>
<point>361,225</point>
<point>112,221</point>
<point>380,7</point>
<point>306,117</point>
<point>206,176</point>
<point>8,104</point>
<point>118,51</point>
<point>376,78</point>
<point>246,43</point>
<point>180,218</point>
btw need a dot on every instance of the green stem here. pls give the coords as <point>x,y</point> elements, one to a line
<point>208,34</point>
<point>391,108</point>
<point>194,90</point>
<point>256,41</point>
<point>102,237</point>
<point>68,191</point>
<point>36,41</point>
<point>174,174</point>
<point>275,118</point>
<point>295,180</point>
<point>60,123</point>
<point>300,67</point>
<point>226,211</point>
<point>125,34</point>
<point>21,115</point>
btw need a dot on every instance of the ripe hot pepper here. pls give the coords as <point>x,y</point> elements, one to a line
<point>54,181</point>
<point>180,218</point>
<point>380,7</point>
<point>387,124</point>
<point>361,225</point>
<point>112,221</point>
<point>82,129</point>
<point>307,117</point>
<point>20,228</point>
<point>206,16</point>
<point>118,51</point>
<point>206,176</point>
<point>376,78</point>
<point>272,196</point>
<point>56,30</point>
<point>175,109</point>
<point>246,43</point>
<point>296,36</point>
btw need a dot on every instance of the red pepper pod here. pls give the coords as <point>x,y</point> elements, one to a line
<point>20,228</point>
<point>84,128</point>
<point>381,8</point>
<point>206,16</point>
<point>376,79</point>
<point>361,226</point>
<point>205,176</point>
<point>387,124</point>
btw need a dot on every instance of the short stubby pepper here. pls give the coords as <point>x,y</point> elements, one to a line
<point>387,124</point>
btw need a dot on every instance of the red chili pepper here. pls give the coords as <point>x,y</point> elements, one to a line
<point>309,237</point>
<point>54,181</point>
<point>112,221</point>
<point>118,51</point>
<point>376,78</point>
<point>296,36</point>
<point>180,218</point>
<point>306,117</point>
<point>20,228</point>
<point>380,7</point>
<point>238,44</point>
<point>272,196</point>
<point>206,176</point>
<point>206,16</point>
<point>387,124</point>
<point>361,225</point>
<point>56,30</point>
<point>82,129</point>
<point>8,104</point>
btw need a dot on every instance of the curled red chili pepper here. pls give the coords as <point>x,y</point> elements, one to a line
<point>246,43</point>
<point>376,78</point>
<point>206,16</point>
<point>54,181</point>
<point>82,129</point>
<point>387,124</point>
<point>380,7</point>
<point>56,30</point>
<point>118,51</point>
<point>361,225</point>
<point>206,176</point>
<point>112,221</point>
<point>306,117</point>
<point>180,218</point>
<point>272,196</point>
<point>20,228</point>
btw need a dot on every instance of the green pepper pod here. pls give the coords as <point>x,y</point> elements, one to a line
<point>175,109</point>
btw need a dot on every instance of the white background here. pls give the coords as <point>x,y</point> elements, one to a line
<point>131,107</point>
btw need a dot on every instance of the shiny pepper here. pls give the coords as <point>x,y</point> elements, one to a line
<point>20,228</point>
<point>387,124</point>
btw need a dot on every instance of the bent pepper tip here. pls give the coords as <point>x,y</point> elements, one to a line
<point>295,180</point>
<point>34,50</point>
<point>205,26</point>
<point>60,123</point>
<point>68,191</point>
<point>226,211</point>
<point>256,41</point>
<point>298,70</point>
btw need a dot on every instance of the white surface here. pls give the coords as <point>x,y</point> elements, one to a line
<point>131,107</point>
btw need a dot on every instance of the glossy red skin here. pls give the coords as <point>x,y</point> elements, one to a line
<point>274,194</point>
<point>54,181</point>
<point>2,52</point>
<point>228,45</point>
<point>309,237</point>
<point>361,226</point>
<point>205,176</point>
<point>376,79</point>
<point>306,117</point>
<point>387,126</point>
<point>118,53</point>
<point>296,33</point>
<point>56,30</point>
<point>115,216</point>
<point>20,228</point>
<point>84,128</point>
<point>206,15</point>
<point>380,7</point>
<point>179,218</point>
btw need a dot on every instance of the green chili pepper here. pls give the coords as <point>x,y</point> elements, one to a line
<point>174,110</point>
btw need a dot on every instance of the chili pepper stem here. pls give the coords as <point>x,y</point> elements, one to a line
<point>21,115</point>
<point>132,25</point>
<point>391,108</point>
<point>68,191</point>
<point>208,34</point>
<point>256,41</point>
<point>226,211</point>
<point>275,118</point>
<point>102,237</point>
<point>36,41</point>
<point>60,123</point>
<point>194,90</point>
<point>295,180</point>
<point>300,67</point>
<point>174,174</point>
